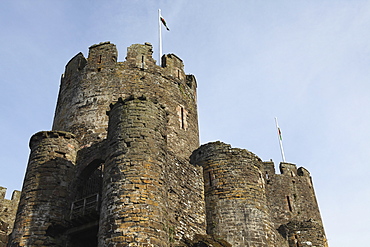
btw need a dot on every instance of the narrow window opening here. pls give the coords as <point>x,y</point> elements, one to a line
<point>178,74</point>
<point>267,175</point>
<point>142,62</point>
<point>99,59</point>
<point>99,69</point>
<point>182,118</point>
<point>289,204</point>
<point>210,179</point>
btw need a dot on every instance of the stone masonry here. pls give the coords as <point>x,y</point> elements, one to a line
<point>8,209</point>
<point>122,166</point>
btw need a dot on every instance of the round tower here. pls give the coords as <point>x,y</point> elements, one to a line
<point>43,201</point>
<point>236,204</point>
<point>134,203</point>
<point>89,85</point>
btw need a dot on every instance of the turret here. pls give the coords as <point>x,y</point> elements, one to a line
<point>134,175</point>
<point>43,201</point>
<point>236,203</point>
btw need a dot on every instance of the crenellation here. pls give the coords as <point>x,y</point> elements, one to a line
<point>140,56</point>
<point>8,209</point>
<point>173,67</point>
<point>102,55</point>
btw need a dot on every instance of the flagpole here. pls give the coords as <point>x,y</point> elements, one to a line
<point>160,36</point>
<point>280,139</point>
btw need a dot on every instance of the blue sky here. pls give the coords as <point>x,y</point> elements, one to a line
<point>305,62</point>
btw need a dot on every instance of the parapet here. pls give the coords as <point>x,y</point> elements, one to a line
<point>15,195</point>
<point>222,150</point>
<point>36,138</point>
<point>104,55</point>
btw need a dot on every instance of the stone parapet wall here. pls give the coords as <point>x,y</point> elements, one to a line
<point>8,210</point>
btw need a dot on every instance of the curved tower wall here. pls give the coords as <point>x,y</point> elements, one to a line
<point>236,203</point>
<point>134,204</point>
<point>89,85</point>
<point>43,202</point>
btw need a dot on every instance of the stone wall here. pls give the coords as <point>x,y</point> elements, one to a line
<point>8,209</point>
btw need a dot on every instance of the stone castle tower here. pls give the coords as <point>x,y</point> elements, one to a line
<point>122,166</point>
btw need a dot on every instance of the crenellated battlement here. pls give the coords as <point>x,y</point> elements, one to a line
<point>8,210</point>
<point>15,195</point>
<point>39,136</point>
<point>104,55</point>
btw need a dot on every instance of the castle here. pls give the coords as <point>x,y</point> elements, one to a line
<point>122,166</point>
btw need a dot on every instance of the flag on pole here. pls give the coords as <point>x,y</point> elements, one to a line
<point>279,133</point>
<point>164,22</point>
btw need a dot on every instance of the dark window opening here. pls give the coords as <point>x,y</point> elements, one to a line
<point>142,62</point>
<point>99,61</point>
<point>182,118</point>
<point>289,204</point>
<point>210,179</point>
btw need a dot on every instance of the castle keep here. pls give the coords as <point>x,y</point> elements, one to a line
<point>122,166</point>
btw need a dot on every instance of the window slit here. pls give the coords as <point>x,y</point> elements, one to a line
<point>182,118</point>
<point>210,179</point>
<point>289,203</point>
